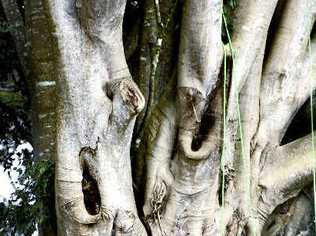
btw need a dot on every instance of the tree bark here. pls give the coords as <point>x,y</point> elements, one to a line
<point>209,151</point>
<point>17,30</point>
<point>41,51</point>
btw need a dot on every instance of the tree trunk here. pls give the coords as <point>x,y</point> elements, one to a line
<point>207,153</point>
<point>15,21</point>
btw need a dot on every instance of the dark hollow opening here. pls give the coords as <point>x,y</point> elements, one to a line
<point>301,124</point>
<point>92,199</point>
<point>211,114</point>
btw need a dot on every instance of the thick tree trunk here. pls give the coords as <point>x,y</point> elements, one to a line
<point>96,115</point>
<point>210,146</point>
<point>183,186</point>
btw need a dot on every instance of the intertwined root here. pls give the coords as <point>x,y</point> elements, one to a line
<point>106,214</point>
<point>158,203</point>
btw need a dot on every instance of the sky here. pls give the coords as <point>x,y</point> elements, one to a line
<point>6,187</point>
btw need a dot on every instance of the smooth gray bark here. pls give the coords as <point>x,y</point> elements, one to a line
<point>183,141</point>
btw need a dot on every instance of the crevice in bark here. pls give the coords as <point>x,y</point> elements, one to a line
<point>294,217</point>
<point>281,213</point>
<point>300,125</point>
<point>165,80</point>
<point>148,40</point>
<point>131,31</point>
<point>273,28</point>
<point>91,192</point>
<point>208,120</point>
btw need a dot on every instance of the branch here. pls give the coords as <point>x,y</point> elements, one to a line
<point>286,76</point>
<point>247,50</point>
<point>290,166</point>
<point>127,102</point>
<point>200,53</point>
<point>250,16</point>
<point>287,170</point>
<point>308,71</point>
<point>98,107</point>
<point>200,59</point>
<point>158,147</point>
<point>287,82</point>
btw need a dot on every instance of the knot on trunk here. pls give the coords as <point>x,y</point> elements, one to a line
<point>128,94</point>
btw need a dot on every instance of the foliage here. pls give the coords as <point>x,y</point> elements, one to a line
<point>14,128</point>
<point>36,185</point>
<point>14,102</point>
<point>31,203</point>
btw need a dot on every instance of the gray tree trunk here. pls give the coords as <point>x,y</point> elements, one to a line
<point>207,150</point>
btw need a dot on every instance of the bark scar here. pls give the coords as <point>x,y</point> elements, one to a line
<point>129,92</point>
<point>131,95</point>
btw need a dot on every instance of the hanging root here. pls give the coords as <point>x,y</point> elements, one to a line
<point>157,204</point>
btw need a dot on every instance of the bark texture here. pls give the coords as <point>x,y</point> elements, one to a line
<point>208,156</point>
<point>183,176</point>
<point>15,21</point>
<point>97,109</point>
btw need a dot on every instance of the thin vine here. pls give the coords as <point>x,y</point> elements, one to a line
<point>312,130</point>
<point>233,57</point>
